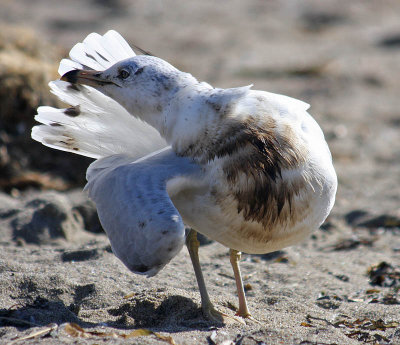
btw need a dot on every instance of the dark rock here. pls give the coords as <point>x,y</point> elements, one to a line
<point>352,243</point>
<point>87,209</point>
<point>360,218</point>
<point>113,7</point>
<point>9,206</point>
<point>390,41</point>
<point>353,217</point>
<point>45,218</point>
<point>384,221</point>
<point>80,255</point>
<point>317,21</point>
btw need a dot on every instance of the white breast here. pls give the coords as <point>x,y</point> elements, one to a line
<point>216,211</point>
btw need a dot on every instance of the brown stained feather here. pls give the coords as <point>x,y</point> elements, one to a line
<point>73,111</point>
<point>267,155</point>
<point>257,154</point>
<point>70,143</point>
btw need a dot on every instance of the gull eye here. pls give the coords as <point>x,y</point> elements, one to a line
<point>123,74</point>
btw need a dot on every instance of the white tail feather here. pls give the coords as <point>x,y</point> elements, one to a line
<point>68,65</point>
<point>96,126</point>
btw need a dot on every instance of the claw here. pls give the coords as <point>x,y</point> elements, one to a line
<point>247,316</point>
<point>216,316</point>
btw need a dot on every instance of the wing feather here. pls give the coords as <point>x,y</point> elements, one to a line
<point>102,127</point>
<point>145,229</point>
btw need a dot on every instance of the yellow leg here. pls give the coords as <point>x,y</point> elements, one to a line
<point>243,310</point>
<point>207,307</point>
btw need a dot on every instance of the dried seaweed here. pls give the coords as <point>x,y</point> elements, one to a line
<point>384,274</point>
<point>40,333</point>
<point>363,330</point>
<point>76,331</point>
<point>352,243</point>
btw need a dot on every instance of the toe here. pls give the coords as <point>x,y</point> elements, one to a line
<point>216,316</point>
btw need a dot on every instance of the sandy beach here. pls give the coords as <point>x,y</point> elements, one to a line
<point>60,282</point>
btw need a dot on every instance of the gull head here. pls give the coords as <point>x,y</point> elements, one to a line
<point>143,85</point>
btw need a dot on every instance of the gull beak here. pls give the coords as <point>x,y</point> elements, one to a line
<point>86,77</point>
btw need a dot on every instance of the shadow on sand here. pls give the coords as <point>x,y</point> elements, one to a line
<point>174,314</point>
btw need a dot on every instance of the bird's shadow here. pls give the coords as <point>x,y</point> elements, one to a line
<point>174,314</point>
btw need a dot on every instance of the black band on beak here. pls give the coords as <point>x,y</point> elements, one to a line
<point>71,76</point>
<point>85,77</point>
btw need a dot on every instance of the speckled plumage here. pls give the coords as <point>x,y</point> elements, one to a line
<point>249,169</point>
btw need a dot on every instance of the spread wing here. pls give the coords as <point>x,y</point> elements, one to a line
<point>144,227</point>
<point>95,125</point>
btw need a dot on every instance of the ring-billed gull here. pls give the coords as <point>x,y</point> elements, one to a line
<point>249,169</point>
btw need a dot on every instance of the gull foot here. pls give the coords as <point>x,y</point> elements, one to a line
<point>247,316</point>
<point>216,316</point>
